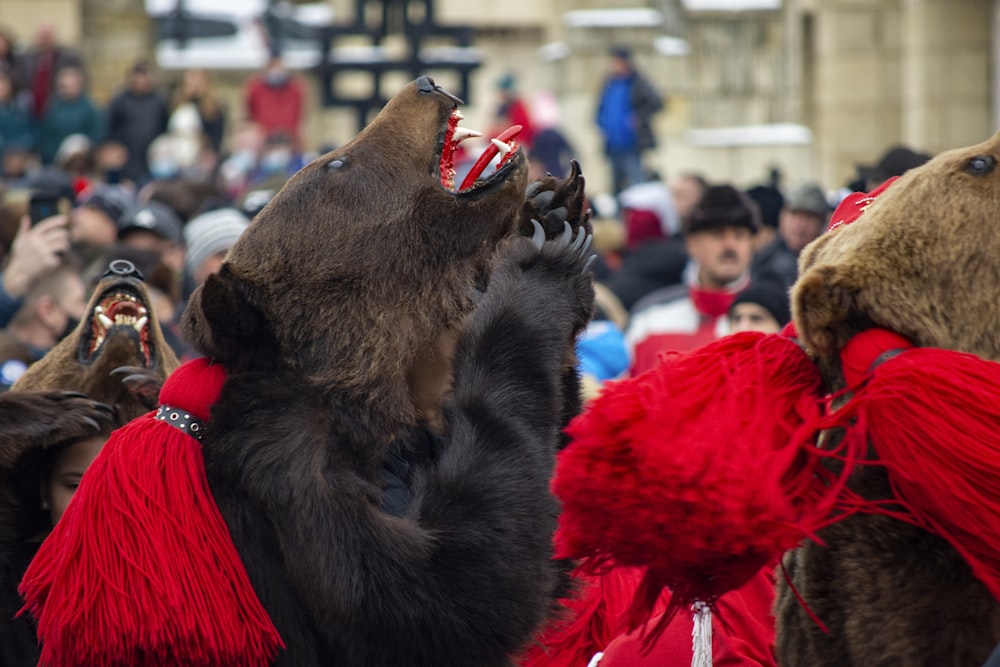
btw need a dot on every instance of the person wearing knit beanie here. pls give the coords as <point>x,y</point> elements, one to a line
<point>763,306</point>
<point>208,237</point>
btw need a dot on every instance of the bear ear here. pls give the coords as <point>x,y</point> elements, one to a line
<point>220,322</point>
<point>825,308</point>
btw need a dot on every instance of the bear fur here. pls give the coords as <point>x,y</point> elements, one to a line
<point>400,365</point>
<point>920,261</point>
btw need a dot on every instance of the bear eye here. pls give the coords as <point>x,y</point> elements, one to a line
<point>981,165</point>
<point>336,163</point>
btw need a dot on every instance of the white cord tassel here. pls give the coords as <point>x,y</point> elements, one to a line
<point>701,636</point>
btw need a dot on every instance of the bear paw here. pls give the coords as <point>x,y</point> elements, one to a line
<point>552,201</point>
<point>142,383</point>
<point>44,418</point>
<point>561,263</point>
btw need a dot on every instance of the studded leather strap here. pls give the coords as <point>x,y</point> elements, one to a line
<point>181,419</point>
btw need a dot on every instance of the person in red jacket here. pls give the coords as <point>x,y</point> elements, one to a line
<point>276,100</point>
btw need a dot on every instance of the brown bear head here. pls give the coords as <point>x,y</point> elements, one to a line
<point>364,261</point>
<point>921,261</point>
<point>119,330</point>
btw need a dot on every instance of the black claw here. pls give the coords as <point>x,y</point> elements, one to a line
<point>567,235</point>
<point>574,169</point>
<point>71,394</point>
<point>543,200</point>
<point>136,378</point>
<point>538,238</point>
<point>532,189</point>
<point>590,262</point>
<point>586,244</point>
<point>91,422</point>
<point>578,241</point>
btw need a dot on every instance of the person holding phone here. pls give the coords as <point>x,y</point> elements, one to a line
<point>36,250</point>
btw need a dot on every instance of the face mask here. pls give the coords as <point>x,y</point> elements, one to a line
<point>162,169</point>
<point>276,78</point>
<point>274,162</point>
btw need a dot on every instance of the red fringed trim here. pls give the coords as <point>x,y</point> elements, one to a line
<point>594,616</point>
<point>141,569</point>
<point>699,469</point>
<point>933,419</point>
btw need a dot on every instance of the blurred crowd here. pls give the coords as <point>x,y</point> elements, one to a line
<point>165,174</point>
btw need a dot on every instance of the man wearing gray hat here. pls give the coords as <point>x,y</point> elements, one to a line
<point>803,218</point>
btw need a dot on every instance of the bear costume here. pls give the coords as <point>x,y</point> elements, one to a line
<point>856,451</point>
<point>99,377</point>
<point>395,362</point>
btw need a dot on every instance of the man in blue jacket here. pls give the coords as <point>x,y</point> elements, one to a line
<point>625,116</point>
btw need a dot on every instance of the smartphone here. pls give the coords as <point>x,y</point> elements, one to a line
<point>44,205</point>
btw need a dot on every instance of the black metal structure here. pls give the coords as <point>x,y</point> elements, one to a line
<point>430,46</point>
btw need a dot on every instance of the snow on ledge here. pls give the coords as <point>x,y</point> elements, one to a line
<point>776,134</point>
<point>613,18</point>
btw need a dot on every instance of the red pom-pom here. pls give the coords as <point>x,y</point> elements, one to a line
<point>195,387</point>
<point>697,469</point>
<point>141,569</point>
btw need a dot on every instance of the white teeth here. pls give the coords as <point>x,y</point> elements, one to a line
<point>140,323</point>
<point>461,134</point>
<point>105,320</point>
<point>501,146</point>
<point>457,114</point>
<point>99,310</point>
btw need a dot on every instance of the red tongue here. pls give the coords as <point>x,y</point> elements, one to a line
<point>491,151</point>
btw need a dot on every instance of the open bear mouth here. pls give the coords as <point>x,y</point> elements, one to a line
<point>504,144</point>
<point>120,311</point>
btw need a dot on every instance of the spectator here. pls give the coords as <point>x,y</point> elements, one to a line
<point>719,240</point>
<point>802,219</point>
<point>17,128</point>
<point>70,111</point>
<point>8,58</point>
<point>136,116</point>
<point>276,100</point>
<point>157,228</point>
<point>52,308</point>
<point>895,161</point>
<point>35,251</point>
<point>197,90</point>
<point>512,110</point>
<point>655,254</point>
<point>687,189</point>
<point>770,201</point>
<point>75,157</point>
<point>278,160</point>
<point>40,65</point>
<point>94,221</point>
<point>763,307</point>
<point>209,237</point>
<point>625,117</point>
<point>600,348</point>
<point>550,151</point>
<point>804,216</point>
<point>15,164</point>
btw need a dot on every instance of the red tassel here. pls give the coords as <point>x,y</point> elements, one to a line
<point>593,617</point>
<point>701,470</point>
<point>141,569</point>
<point>933,419</point>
